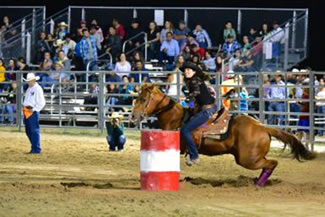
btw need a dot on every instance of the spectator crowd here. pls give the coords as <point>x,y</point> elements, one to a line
<point>170,46</point>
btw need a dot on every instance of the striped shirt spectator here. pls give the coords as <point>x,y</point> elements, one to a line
<point>230,46</point>
<point>88,49</point>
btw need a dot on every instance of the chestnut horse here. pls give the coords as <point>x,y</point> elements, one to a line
<point>248,141</point>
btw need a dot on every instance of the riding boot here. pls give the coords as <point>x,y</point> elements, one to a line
<point>266,173</point>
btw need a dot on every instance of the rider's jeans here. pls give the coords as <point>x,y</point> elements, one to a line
<point>186,131</point>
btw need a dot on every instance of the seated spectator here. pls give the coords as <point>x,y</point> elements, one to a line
<point>209,62</point>
<point>50,41</point>
<point>234,61</point>
<point>196,59</point>
<point>153,37</point>
<point>120,31</point>
<point>42,46</point>
<point>134,30</point>
<point>135,77</point>
<point>304,118</point>
<point>22,66</point>
<point>115,132</point>
<point>62,30</point>
<point>9,30</point>
<point>123,67</point>
<point>320,105</point>
<point>113,43</point>
<point>186,53</point>
<point>169,49</point>
<point>252,34</point>
<point>12,66</point>
<point>172,79</point>
<point>190,40</point>
<point>46,65</point>
<point>278,93</point>
<point>58,73</point>
<point>229,31</point>
<point>230,46</point>
<point>265,30</point>
<point>10,104</point>
<point>246,63</point>
<point>202,37</point>
<point>197,50</point>
<point>99,30</point>
<point>218,60</point>
<point>83,26</point>
<point>70,45</point>
<point>169,27</point>
<point>64,61</point>
<point>93,32</point>
<point>181,34</point>
<point>247,46</point>
<point>137,56</point>
<point>91,99</point>
<point>112,100</point>
<point>2,74</point>
<point>126,88</point>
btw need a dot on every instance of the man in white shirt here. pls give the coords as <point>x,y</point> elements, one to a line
<point>34,102</point>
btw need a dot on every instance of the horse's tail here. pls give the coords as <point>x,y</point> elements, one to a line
<point>297,148</point>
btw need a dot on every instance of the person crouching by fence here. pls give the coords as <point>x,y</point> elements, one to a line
<point>115,132</point>
<point>34,102</point>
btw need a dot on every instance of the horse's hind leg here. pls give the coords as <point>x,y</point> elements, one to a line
<point>268,167</point>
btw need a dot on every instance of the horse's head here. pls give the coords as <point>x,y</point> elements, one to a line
<point>146,104</point>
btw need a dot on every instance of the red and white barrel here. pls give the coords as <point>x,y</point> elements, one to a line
<point>160,160</point>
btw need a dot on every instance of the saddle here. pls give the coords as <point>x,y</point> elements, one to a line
<point>217,127</point>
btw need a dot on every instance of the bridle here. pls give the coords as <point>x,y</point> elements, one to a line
<point>167,107</point>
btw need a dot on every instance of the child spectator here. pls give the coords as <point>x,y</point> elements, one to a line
<point>229,31</point>
<point>62,30</point>
<point>115,132</point>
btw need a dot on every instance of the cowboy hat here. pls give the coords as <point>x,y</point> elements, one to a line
<point>31,76</point>
<point>63,24</point>
<point>59,42</point>
<point>190,65</point>
<point>116,115</point>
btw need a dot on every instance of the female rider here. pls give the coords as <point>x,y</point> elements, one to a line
<point>198,93</point>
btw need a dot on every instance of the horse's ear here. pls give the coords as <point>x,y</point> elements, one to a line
<point>148,87</point>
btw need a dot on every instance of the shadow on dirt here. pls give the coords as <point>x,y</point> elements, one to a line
<point>241,181</point>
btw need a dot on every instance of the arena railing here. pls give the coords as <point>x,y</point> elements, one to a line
<point>69,105</point>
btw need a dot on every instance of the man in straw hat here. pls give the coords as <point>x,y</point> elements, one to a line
<point>115,132</point>
<point>34,102</point>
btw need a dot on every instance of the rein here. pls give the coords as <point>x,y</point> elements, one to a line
<point>167,107</point>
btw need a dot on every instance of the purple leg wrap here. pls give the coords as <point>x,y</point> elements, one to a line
<point>266,173</point>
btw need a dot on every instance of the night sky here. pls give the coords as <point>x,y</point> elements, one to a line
<point>316,39</point>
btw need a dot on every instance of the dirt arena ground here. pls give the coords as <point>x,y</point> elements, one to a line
<point>76,176</point>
